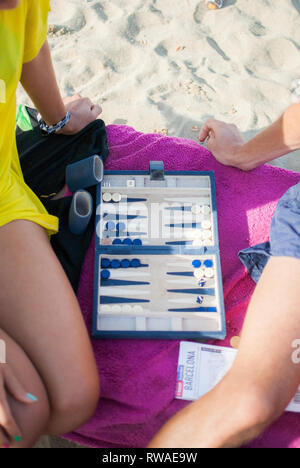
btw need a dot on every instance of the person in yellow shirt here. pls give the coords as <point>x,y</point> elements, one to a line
<point>49,382</point>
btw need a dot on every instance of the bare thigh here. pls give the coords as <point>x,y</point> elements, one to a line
<point>39,310</point>
<point>31,419</point>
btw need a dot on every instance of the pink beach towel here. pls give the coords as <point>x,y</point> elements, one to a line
<point>138,377</point>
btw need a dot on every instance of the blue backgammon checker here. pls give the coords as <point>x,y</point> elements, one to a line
<point>125,263</point>
<point>157,260</point>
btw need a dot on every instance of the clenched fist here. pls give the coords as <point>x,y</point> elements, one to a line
<point>223,140</point>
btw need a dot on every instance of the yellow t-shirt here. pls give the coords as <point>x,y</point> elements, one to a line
<point>23,31</point>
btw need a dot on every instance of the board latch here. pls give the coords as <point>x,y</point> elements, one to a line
<point>157,170</point>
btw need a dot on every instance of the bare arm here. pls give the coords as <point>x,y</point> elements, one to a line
<point>39,81</point>
<point>229,148</point>
<point>264,377</point>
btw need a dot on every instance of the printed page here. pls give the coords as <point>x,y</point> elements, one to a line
<point>215,362</point>
<point>201,367</point>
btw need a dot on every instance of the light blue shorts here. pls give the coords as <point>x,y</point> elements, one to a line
<point>284,235</point>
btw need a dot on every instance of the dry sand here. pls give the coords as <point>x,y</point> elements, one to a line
<point>167,65</point>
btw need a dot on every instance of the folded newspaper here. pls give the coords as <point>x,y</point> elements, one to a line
<point>201,367</point>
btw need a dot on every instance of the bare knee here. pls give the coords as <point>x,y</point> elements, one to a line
<point>252,408</point>
<point>81,404</point>
<point>71,409</point>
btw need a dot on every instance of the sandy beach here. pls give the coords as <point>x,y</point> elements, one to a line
<point>166,66</point>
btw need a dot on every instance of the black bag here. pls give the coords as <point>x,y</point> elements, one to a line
<point>43,162</point>
<point>44,159</point>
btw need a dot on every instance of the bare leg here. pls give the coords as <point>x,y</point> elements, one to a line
<point>39,310</point>
<point>31,419</point>
<point>263,379</point>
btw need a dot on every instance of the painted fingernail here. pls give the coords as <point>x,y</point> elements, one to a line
<point>17,438</point>
<point>31,397</point>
